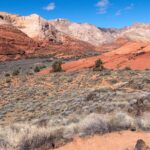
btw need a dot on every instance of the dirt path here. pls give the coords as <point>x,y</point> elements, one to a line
<point>113,141</point>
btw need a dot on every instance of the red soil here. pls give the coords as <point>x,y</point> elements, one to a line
<point>113,141</point>
<point>135,55</point>
<point>14,43</point>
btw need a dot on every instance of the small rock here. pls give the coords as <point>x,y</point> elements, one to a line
<point>141,145</point>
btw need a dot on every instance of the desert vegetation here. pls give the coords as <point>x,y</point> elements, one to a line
<point>57,66</point>
<point>15,72</point>
<point>71,104</point>
<point>27,136</point>
<point>98,65</point>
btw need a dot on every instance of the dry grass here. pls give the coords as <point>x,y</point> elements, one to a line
<point>32,137</point>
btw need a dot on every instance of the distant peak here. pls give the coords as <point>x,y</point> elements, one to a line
<point>34,15</point>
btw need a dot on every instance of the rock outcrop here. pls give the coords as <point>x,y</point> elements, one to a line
<point>85,32</point>
<point>136,32</point>
<point>14,43</point>
<point>141,145</point>
<point>53,30</point>
<point>63,37</point>
<point>39,31</point>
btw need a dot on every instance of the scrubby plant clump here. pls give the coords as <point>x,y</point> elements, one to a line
<point>36,69</point>
<point>16,72</point>
<point>98,65</point>
<point>127,68</point>
<point>57,66</point>
<point>7,75</point>
<point>39,68</point>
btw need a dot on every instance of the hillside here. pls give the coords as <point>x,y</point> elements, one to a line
<point>15,44</point>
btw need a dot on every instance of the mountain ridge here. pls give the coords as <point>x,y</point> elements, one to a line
<point>37,27</point>
<point>63,38</point>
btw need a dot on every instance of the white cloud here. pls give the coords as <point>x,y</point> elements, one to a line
<point>124,10</point>
<point>129,7</point>
<point>102,6</point>
<point>50,7</point>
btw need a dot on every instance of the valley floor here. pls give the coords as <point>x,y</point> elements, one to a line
<point>48,111</point>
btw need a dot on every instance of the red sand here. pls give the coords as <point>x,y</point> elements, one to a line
<point>112,141</point>
<point>135,55</point>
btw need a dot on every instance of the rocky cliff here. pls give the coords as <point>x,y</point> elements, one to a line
<point>53,30</point>
<point>14,43</point>
<point>64,36</point>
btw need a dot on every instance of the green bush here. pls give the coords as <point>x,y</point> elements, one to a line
<point>57,66</point>
<point>39,68</point>
<point>98,65</point>
<point>36,69</point>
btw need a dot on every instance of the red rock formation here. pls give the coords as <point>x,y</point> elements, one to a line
<point>122,47</point>
<point>135,55</point>
<point>14,43</point>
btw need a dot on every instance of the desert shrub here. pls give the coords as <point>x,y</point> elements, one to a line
<point>113,81</point>
<point>7,74</point>
<point>105,72</point>
<point>39,67</point>
<point>91,96</point>
<point>36,69</point>
<point>33,137</point>
<point>127,68</point>
<point>92,124</point>
<point>70,131</point>
<point>8,80</point>
<point>103,90</point>
<point>15,72</point>
<point>42,138</point>
<point>4,144</point>
<point>98,65</point>
<point>36,142</point>
<point>57,66</point>
<point>143,122</point>
<point>120,121</point>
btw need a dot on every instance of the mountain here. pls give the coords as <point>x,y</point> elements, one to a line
<point>15,44</point>
<point>136,32</point>
<point>49,39</point>
<point>35,36</point>
<point>54,30</point>
<point>85,32</point>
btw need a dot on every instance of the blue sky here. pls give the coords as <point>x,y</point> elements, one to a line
<point>102,13</point>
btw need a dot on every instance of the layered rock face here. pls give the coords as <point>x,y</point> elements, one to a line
<point>85,32</point>
<point>97,36</point>
<point>34,26</point>
<point>136,32</point>
<point>54,30</point>
<point>42,36</point>
<point>64,37</point>
<point>14,43</point>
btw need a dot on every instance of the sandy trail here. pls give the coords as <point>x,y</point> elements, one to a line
<point>111,141</point>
